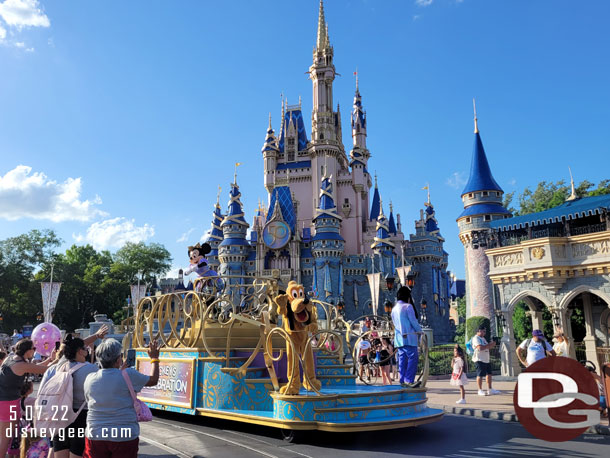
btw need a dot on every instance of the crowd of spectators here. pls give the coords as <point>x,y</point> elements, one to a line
<point>105,421</point>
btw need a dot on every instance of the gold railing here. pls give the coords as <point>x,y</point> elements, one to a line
<point>180,319</point>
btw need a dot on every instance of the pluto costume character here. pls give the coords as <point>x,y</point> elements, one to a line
<point>299,317</point>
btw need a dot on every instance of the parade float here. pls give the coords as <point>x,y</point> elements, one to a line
<point>237,348</point>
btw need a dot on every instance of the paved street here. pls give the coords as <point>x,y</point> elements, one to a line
<point>454,436</point>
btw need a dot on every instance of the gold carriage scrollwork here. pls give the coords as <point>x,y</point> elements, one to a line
<point>180,320</point>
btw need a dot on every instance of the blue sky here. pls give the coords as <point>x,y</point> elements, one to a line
<point>118,120</point>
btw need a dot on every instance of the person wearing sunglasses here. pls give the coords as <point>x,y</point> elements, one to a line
<point>12,375</point>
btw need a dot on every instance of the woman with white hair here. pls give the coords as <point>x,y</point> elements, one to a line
<point>112,424</point>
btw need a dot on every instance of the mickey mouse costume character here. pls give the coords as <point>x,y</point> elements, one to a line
<point>199,264</point>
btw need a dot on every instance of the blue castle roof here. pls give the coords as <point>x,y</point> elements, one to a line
<point>235,212</point>
<point>481,178</point>
<point>215,231</point>
<point>431,223</point>
<point>326,204</point>
<point>282,193</point>
<point>392,224</point>
<point>482,209</point>
<point>270,141</point>
<point>375,206</point>
<point>573,209</point>
<point>297,118</point>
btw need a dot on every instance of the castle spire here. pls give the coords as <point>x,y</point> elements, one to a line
<point>474,107</point>
<point>391,222</point>
<point>322,41</point>
<point>480,178</point>
<point>382,237</point>
<point>376,202</point>
<point>573,195</point>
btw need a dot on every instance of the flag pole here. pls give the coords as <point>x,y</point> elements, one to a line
<point>50,294</point>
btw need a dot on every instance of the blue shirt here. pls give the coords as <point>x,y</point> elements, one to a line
<point>405,325</point>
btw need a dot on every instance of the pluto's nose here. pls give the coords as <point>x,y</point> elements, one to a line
<point>306,300</point>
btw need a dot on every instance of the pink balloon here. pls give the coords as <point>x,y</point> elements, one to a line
<point>44,337</point>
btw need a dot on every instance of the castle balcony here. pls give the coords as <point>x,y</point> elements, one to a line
<point>552,259</point>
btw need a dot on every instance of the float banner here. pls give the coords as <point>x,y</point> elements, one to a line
<point>175,387</point>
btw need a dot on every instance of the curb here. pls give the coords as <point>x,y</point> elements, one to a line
<point>505,416</point>
<point>477,413</point>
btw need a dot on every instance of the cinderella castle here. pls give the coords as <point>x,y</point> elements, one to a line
<point>320,226</point>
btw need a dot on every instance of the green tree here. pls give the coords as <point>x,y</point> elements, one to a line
<point>549,195</point>
<point>20,257</point>
<point>139,258</point>
<point>460,327</point>
<point>83,272</point>
<point>522,324</point>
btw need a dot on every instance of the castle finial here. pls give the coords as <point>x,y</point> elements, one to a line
<point>375,179</point>
<point>573,195</point>
<point>269,120</point>
<point>391,207</point>
<point>322,29</point>
<point>476,125</point>
<point>237,164</point>
<point>218,197</point>
<point>356,75</point>
<point>427,188</point>
<point>299,101</point>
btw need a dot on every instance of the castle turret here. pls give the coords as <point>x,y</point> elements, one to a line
<point>482,199</point>
<point>215,235</point>
<point>270,152</point>
<point>429,259</point>
<point>327,244</point>
<point>382,245</point>
<point>234,248</point>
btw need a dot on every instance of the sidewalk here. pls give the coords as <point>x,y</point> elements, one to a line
<point>441,395</point>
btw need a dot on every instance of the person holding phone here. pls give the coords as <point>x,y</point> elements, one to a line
<point>12,376</point>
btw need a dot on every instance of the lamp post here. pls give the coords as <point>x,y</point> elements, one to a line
<point>424,318</point>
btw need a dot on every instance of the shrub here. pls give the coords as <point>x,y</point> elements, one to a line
<point>472,326</point>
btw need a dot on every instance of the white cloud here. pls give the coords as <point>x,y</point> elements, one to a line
<point>512,182</point>
<point>2,33</point>
<point>416,17</point>
<point>24,194</point>
<point>423,2</point>
<point>456,180</point>
<point>114,233</point>
<point>185,236</point>
<point>23,13</point>
<point>20,44</point>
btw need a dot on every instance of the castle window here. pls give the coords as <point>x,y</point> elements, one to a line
<point>468,220</point>
<point>487,218</point>
<point>485,193</point>
<point>470,196</point>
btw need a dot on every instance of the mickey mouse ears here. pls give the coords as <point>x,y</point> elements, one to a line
<point>203,249</point>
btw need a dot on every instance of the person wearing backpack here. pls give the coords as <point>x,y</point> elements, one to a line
<point>76,355</point>
<point>112,423</point>
<point>12,376</point>
<point>536,348</point>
